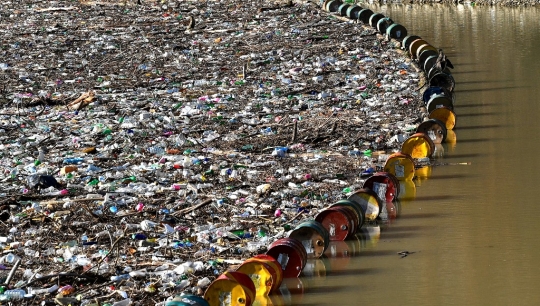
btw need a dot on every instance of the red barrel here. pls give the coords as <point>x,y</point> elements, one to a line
<point>340,222</point>
<point>384,184</point>
<point>290,254</point>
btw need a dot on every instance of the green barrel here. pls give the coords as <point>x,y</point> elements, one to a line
<point>342,9</point>
<point>383,24</point>
<point>396,31</point>
<point>313,236</point>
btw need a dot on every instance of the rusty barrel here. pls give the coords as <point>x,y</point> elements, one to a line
<point>383,24</point>
<point>435,129</point>
<point>364,15</point>
<point>290,254</point>
<point>355,207</point>
<point>340,222</point>
<point>187,300</point>
<point>400,165</point>
<point>266,277</point>
<point>353,12</point>
<point>418,145</point>
<point>413,47</point>
<point>438,101</point>
<point>369,201</point>
<point>396,31</point>
<point>373,19</point>
<point>408,40</point>
<point>445,115</point>
<point>384,184</point>
<point>313,236</point>
<point>231,288</point>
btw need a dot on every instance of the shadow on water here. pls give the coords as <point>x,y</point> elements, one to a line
<point>445,177</point>
<point>474,140</point>
<point>468,72</point>
<point>398,235</point>
<point>478,114</point>
<point>477,127</point>
<point>476,105</point>
<point>421,216</point>
<point>484,82</point>
<point>489,89</point>
<point>360,271</point>
<point>435,198</point>
<point>469,155</point>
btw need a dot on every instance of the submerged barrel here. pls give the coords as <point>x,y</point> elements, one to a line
<point>438,101</point>
<point>340,222</point>
<point>384,184</point>
<point>441,79</point>
<point>435,129</point>
<point>353,11</point>
<point>445,115</point>
<point>358,210</point>
<point>413,47</point>
<point>383,24</point>
<point>231,288</point>
<point>290,254</point>
<point>418,145</point>
<point>364,15</point>
<point>369,201</point>
<point>187,300</point>
<point>314,237</point>
<point>396,31</point>
<point>408,40</point>
<point>401,165</point>
<point>373,19</point>
<point>266,277</point>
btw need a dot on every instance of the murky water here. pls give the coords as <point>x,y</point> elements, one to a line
<point>475,229</point>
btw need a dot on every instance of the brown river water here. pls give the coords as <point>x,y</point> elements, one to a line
<point>475,229</point>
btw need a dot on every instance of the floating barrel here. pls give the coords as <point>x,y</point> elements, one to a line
<point>384,184</point>
<point>313,236</point>
<point>430,62</point>
<point>342,9</point>
<point>266,278</point>
<point>187,300</point>
<point>332,6</point>
<point>364,15</point>
<point>418,145</point>
<point>369,201</point>
<point>438,101</point>
<point>424,47</point>
<point>445,115</point>
<point>340,222</point>
<point>353,11</point>
<point>401,166</point>
<point>383,24</point>
<point>442,79</point>
<point>358,210</point>
<point>231,288</point>
<point>433,71</point>
<point>435,129</point>
<point>435,90</point>
<point>413,47</point>
<point>396,31</point>
<point>374,19</point>
<point>424,55</point>
<point>272,262</point>
<point>408,40</point>
<point>290,254</point>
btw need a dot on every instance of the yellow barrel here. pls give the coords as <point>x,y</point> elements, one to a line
<point>401,165</point>
<point>369,201</point>
<point>231,288</point>
<point>445,115</point>
<point>413,47</point>
<point>419,145</point>
<point>262,274</point>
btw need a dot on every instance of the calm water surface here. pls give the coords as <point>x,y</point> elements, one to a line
<point>475,229</point>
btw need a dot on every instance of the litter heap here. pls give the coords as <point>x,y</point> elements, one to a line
<point>146,148</point>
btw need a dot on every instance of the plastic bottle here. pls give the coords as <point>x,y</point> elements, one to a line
<point>75,160</point>
<point>15,294</point>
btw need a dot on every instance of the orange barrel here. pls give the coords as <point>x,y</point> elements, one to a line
<point>442,79</point>
<point>373,19</point>
<point>315,267</point>
<point>424,47</point>
<point>357,210</point>
<point>265,277</point>
<point>272,262</point>
<point>369,201</point>
<point>424,56</point>
<point>290,254</point>
<point>435,129</point>
<point>187,300</point>
<point>384,184</point>
<point>396,31</point>
<point>445,115</point>
<point>364,15</point>
<point>400,165</point>
<point>313,236</point>
<point>231,288</point>
<point>413,47</point>
<point>438,101</point>
<point>383,24</point>
<point>408,40</point>
<point>433,91</point>
<point>418,145</point>
<point>341,222</point>
<point>353,11</point>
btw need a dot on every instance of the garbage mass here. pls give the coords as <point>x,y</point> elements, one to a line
<point>147,148</point>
